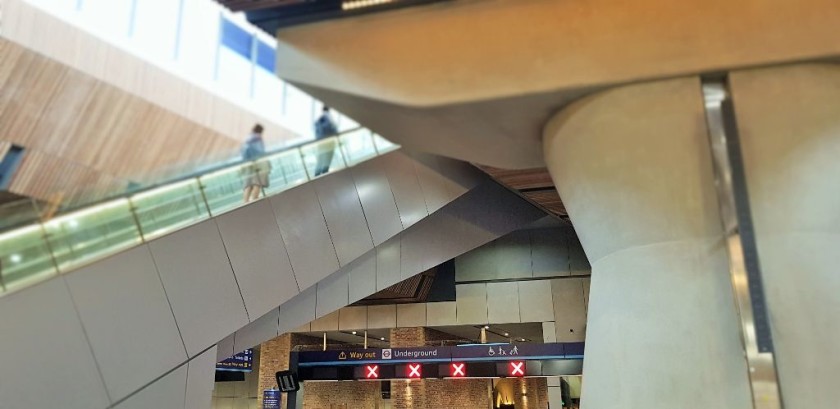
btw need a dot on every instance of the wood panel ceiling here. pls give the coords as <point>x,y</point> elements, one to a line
<point>533,184</point>
<point>412,290</point>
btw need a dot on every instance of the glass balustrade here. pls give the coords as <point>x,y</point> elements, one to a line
<point>32,250</point>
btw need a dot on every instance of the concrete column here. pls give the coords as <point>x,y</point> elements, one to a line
<point>789,120</point>
<point>632,165</point>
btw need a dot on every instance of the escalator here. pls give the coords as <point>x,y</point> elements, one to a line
<point>121,304</point>
<point>34,251</point>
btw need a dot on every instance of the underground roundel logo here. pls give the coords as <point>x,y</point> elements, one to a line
<point>386,354</point>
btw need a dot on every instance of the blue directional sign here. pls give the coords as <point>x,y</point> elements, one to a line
<point>271,399</point>
<point>241,362</point>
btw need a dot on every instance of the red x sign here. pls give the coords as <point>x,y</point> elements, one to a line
<point>414,371</point>
<point>458,370</point>
<point>372,371</point>
<point>517,368</point>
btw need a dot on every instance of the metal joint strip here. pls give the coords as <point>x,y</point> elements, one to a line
<point>744,266</point>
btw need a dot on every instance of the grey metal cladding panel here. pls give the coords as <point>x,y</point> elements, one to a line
<point>478,264</point>
<point>435,187</point>
<point>535,303</point>
<point>350,318</point>
<point>388,263</point>
<point>201,373</point>
<point>503,302</point>
<point>328,322</point>
<point>305,233</point>
<point>377,200</point>
<point>297,311</point>
<point>224,348</point>
<point>382,316</point>
<point>200,284</point>
<point>441,313</point>
<point>492,208</point>
<point>127,318</point>
<point>345,218</point>
<point>462,175</point>
<point>47,362</point>
<point>260,330</point>
<point>513,255</point>
<point>333,293</point>
<point>167,392</point>
<point>569,309</point>
<point>406,188</point>
<point>258,256</point>
<point>550,252</point>
<point>362,276</point>
<point>471,303</point>
<point>586,283</point>
<point>475,218</point>
<point>411,315</point>
<point>578,263</point>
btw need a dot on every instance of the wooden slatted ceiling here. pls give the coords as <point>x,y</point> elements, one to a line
<point>534,184</point>
<point>39,31</point>
<point>412,290</point>
<point>80,132</point>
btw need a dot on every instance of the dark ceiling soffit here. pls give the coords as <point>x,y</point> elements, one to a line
<point>272,19</point>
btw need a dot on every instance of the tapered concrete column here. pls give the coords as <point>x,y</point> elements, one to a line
<point>789,120</point>
<point>633,167</point>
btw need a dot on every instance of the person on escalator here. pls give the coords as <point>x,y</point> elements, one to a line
<point>255,173</point>
<point>324,128</point>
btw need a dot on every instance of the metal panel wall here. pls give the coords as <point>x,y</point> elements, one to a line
<point>388,264</point>
<point>569,310</point>
<point>167,392</point>
<point>382,316</point>
<point>201,372</point>
<point>345,219</point>
<point>200,284</point>
<point>362,276</point>
<point>377,201</point>
<point>328,322</point>
<point>471,301</point>
<point>332,293</point>
<point>258,256</point>
<point>297,311</point>
<point>411,315</point>
<point>435,187</point>
<point>352,318</point>
<point>503,302</point>
<point>441,313</point>
<point>549,252</point>
<point>407,191</point>
<point>35,359</point>
<point>127,318</point>
<point>262,328</point>
<point>535,301</point>
<point>306,235</point>
<point>541,252</point>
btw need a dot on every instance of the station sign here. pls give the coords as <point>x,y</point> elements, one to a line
<point>472,361</point>
<point>272,399</point>
<point>469,353</point>
<point>241,362</point>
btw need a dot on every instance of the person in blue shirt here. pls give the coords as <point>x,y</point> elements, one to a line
<point>324,128</point>
<point>254,174</point>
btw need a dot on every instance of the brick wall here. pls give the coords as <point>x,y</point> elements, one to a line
<point>274,356</point>
<point>435,393</point>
